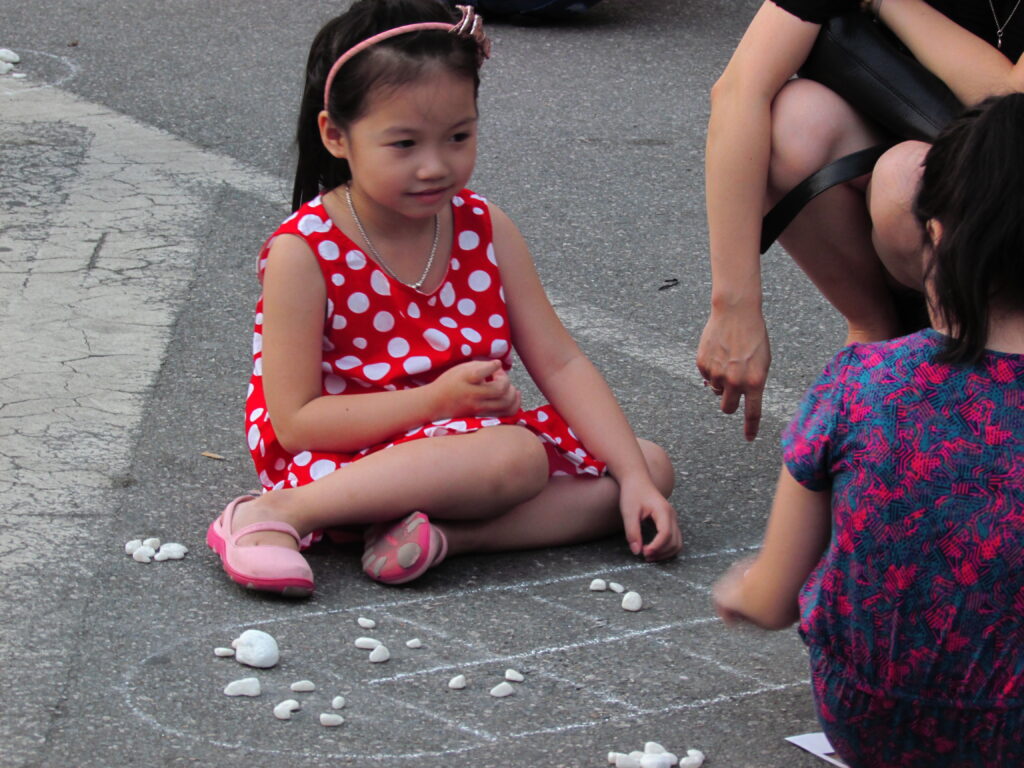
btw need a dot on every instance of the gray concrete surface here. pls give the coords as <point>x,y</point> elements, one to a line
<point>142,159</point>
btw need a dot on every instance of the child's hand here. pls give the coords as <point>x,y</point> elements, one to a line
<point>476,388</point>
<point>728,593</point>
<point>640,502</point>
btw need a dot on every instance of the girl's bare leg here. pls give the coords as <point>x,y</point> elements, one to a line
<point>570,510</point>
<point>831,238</point>
<point>457,477</point>
<point>897,236</point>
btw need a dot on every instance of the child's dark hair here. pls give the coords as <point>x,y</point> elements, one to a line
<point>973,185</point>
<point>390,63</point>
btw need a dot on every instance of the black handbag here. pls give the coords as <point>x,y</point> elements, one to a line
<point>859,59</point>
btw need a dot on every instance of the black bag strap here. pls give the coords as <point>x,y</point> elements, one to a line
<point>838,171</point>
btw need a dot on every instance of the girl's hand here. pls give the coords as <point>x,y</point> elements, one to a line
<point>733,357</point>
<point>476,388</point>
<point>640,502</point>
<point>728,593</point>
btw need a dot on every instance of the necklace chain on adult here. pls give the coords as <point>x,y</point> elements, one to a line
<point>1000,28</point>
<point>376,254</point>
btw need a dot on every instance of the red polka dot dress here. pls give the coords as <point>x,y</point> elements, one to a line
<point>382,335</point>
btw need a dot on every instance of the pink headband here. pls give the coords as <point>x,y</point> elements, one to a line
<point>470,25</point>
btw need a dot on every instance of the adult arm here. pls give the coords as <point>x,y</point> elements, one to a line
<point>579,392</point>
<point>734,353</point>
<point>943,46</point>
<point>764,591</point>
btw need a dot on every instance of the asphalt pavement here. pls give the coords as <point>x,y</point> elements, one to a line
<point>144,155</point>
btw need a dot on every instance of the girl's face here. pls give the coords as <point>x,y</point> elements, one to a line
<point>415,146</point>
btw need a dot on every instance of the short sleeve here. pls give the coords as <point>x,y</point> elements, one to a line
<point>808,443</point>
<point>817,11</point>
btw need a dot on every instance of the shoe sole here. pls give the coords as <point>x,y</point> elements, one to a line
<point>287,587</point>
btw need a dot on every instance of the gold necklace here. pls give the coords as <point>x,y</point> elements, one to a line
<point>1000,28</point>
<point>376,255</point>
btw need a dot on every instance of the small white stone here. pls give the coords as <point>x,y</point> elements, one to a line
<point>18,75</point>
<point>514,675</point>
<point>303,686</point>
<point>329,719</point>
<point>5,67</point>
<point>338,702</point>
<point>672,757</point>
<point>457,683</point>
<point>131,546</point>
<point>172,551</point>
<point>626,761</point>
<point>502,689</point>
<point>143,554</point>
<point>632,601</point>
<point>654,748</point>
<point>255,648</point>
<point>414,643</point>
<point>656,761</point>
<point>367,643</point>
<point>283,711</point>
<point>614,586</point>
<point>694,759</point>
<point>366,623</point>
<point>160,557</point>
<point>599,585</point>
<point>247,686</point>
<point>612,756</point>
<point>636,754</point>
<point>6,54</point>
<point>153,542</point>
<point>379,654</point>
<point>223,652</point>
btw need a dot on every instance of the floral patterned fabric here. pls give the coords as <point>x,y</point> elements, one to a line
<point>920,596</point>
<point>382,335</point>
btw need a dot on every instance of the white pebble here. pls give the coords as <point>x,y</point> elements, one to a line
<point>256,648</point>
<point>654,748</point>
<point>502,689</point>
<point>338,702</point>
<point>6,54</point>
<point>614,586</point>
<point>367,643</point>
<point>143,554</point>
<point>153,542</point>
<point>626,761</point>
<point>223,652</point>
<point>457,683</point>
<point>19,75</point>
<point>330,719</point>
<point>656,761</point>
<point>131,546</point>
<point>247,686</point>
<point>632,601</point>
<point>514,675</point>
<point>414,643</point>
<point>5,67</point>
<point>379,654</point>
<point>672,757</point>
<point>366,623</point>
<point>598,585</point>
<point>283,711</point>
<point>694,759</point>
<point>171,551</point>
<point>303,686</point>
<point>612,756</point>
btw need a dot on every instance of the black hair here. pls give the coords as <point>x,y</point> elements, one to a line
<point>973,185</point>
<point>393,62</point>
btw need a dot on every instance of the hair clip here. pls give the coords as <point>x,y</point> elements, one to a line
<point>472,25</point>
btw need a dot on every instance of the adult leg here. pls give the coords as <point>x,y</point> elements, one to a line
<point>897,236</point>
<point>570,510</point>
<point>831,238</point>
<point>479,474</point>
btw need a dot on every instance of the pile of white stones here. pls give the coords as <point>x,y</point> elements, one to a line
<point>8,59</point>
<point>146,550</point>
<point>655,756</point>
<point>631,601</point>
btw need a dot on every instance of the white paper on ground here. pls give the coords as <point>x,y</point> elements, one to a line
<point>817,744</point>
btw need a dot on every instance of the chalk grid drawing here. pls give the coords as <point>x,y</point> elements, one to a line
<point>586,663</point>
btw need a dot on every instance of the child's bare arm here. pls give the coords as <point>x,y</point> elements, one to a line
<point>764,590</point>
<point>294,300</point>
<point>579,392</point>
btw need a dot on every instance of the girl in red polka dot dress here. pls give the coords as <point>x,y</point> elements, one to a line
<point>393,297</point>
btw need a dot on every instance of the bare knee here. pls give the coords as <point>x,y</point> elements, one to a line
<point>896,234</point>
<point>811,126</point>
<point>520,463</point>
<point>660,466</point>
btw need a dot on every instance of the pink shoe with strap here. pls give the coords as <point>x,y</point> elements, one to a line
<point>261,567</point>
<point>404,550</point>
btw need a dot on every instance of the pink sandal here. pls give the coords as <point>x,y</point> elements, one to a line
<point>401,551</point>
<point>266,568</point>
